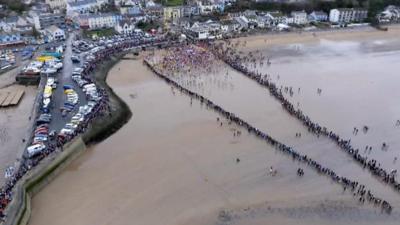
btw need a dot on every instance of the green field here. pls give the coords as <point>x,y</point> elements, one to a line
<point>172,2</point>
<point>99,33</point>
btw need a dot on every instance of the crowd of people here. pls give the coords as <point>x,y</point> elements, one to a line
<point>186,59</point>
<point>234,61</point>
<point>101,108</point>
<point>313,127</point>
<point>358,190</point>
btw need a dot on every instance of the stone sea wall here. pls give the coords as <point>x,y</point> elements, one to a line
<point>19,210</point>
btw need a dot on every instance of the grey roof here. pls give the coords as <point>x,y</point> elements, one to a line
<point>125,21</point>
<point>351,9</point>
<point>53,28</point>
<point>319,13</point>
<point>82,2</point>
<point>87,16</point>
<point>11,19</point>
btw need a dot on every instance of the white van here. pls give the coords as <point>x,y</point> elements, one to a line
<point>35,149</point>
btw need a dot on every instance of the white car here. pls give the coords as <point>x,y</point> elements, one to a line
<point>71,126</point>
<point>66,131</point>
<point>77,118</point>
<point>35,149</point>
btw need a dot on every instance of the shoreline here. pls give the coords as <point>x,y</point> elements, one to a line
<point>104,127</point>
<point>320,169</point>
<point>19,209</point>
<point>255,41</point>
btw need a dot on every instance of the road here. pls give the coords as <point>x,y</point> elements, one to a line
<point>58,98</point>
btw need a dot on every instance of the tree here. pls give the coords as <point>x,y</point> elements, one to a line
<point>35,33</point>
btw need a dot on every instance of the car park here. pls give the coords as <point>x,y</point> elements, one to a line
<point>66,131</point>
<point>75,59</point>
<point>71,126</point>
<point>35,149</point>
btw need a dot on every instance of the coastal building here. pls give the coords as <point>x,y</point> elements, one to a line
<point>208,7</point>
<point>390,14</point>
<point>247,12</point>
<point>131,10</point>
<point>206,30</point>
<point>172,14</point>
<point>347,15</point>
<point>262,22</point>
<point>299,17</point>
<point>184,23</point>
<point>82,7</point>
<point>242,21</point>
<point>40,7</point>
<point>55,33</point>
<point>197,33</point>
<point>8,24</point>
<point>125,27</point>
<point>57,4</point>
<point>318,16</point>
<point>229,26</point>
<point>128,2</point>
<point>44,20</point>
<point>23,29</point>
<point>10,39</point>
<point>99,21</point>
<point>276,18</point>
<point>191,10</point>
<point>153,9</point>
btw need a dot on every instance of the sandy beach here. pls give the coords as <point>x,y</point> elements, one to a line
<point>357,34</point>
<point>173,163</point>
<point>15,126</point>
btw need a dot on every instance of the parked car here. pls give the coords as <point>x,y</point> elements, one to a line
<point>35,149</point>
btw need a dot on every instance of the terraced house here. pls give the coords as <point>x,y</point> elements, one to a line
<point>347,15</point>
<point>99,21</point>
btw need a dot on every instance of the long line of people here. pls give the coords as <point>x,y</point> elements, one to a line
<point>356,188</point>
<point>375,167</point>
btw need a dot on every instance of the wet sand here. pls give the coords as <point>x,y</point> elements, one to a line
<point>14,126</point>
<point>253,103</point>
<point>363,92</point>
<point>356,34</point>
<point>173,164</point>
<point>8,78</point>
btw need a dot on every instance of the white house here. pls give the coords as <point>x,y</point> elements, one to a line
<point>125,27</point>
<point>82,6</point>
<point>191,10</point>
<point>57,4</point>
<point>9,23</point>
<point>299,17</point>
<point>276,18</point>
<point>243,21</point>
<point>99,21</point>
<point>206,8</point>
<point>262,22</point>
<point>228,26</point>
<point>318,16</point>
<point>347,15</point>
<point>197,32</point>
<point>206,30</point>
<point>391,13</point>
<point>43,20</point>
<point>288,20</point>
<point>55,33</point>
<point>128,2</point>
<point>173,14</point>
